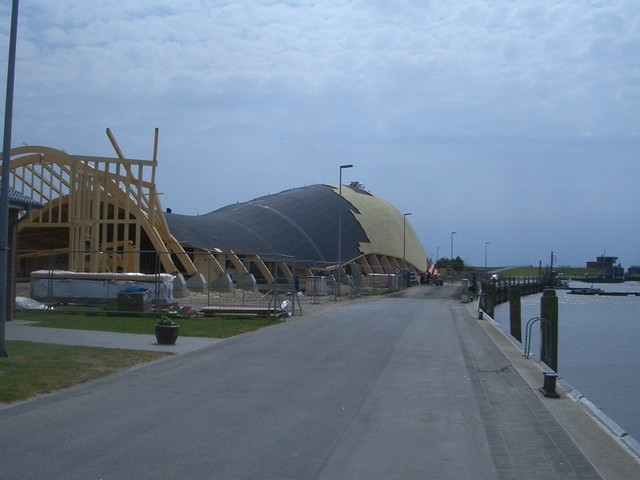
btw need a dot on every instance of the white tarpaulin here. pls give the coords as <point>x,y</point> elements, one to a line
<point>70,287</point>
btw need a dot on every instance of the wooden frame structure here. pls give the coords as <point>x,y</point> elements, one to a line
<point>101,214</point>
<point>101,211</point>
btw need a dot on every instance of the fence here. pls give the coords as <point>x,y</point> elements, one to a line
<point>496,291</point>
<point>217,282</point>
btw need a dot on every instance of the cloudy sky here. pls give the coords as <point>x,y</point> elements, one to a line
<point>510,122</point>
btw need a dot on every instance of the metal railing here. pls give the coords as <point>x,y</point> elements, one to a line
<point>527,335</point>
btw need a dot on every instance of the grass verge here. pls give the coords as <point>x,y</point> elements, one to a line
<point>36,368</point>
<point>210,327</point>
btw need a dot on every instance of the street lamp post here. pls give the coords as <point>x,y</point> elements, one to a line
<point>404,238</point>
<point>5,301</point>
<point>452,234</point>
<point>451,264</point>
<point>404,248</point>
<point>485,253</point>
<point>339,265</point>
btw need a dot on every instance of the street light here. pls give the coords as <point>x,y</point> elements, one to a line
<point>451,265</point>
<point>437,254</point>
<point>5,301</point>
<point>404,238</point>
<point>452,234</point>
<point>485,253</point>
<point>404,249</point>
<point>339,266</point>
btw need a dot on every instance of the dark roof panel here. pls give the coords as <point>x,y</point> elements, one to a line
<point>301,222</point>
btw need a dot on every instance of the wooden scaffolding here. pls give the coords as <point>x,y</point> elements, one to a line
<point>101,211</point>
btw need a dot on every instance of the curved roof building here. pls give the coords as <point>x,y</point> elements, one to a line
<point>103,215</point>
<point>303,223</point>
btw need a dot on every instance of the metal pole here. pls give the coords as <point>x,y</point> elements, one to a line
<point>404,238</point>
<point>452,234</point>
<point>405,272</point>
<point>451,258</point>
<point>485,253</point>
<point>4,186</point>
<point>339,265</point>
<point>275,288</point>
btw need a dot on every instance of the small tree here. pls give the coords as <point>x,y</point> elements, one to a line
<point>443,263</point>
<point>457,264</point>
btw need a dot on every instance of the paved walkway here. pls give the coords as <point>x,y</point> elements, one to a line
<point>413,387</point>
<point>24,330</point>
<point>21,330</point>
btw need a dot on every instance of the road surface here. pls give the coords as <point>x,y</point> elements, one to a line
<point>397,388</point>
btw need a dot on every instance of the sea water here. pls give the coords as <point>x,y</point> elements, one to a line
<point>598,347</point>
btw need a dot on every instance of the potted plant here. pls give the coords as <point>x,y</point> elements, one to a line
<point>166,331</point>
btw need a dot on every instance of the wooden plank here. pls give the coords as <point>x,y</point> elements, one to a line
<point>239,310</point>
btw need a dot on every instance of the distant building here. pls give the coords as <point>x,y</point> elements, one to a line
<point>633,273</point>
<point>606,267</point>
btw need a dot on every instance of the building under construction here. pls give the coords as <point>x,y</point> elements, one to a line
<point>103,215</point>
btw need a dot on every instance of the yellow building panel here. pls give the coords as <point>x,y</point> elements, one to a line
<point>384,226</point>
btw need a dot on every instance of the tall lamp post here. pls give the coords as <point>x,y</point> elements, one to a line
<point>485,253</point>
<point>4,190</point>
<point>405,283</point>
<point>451,265</point>
<point>339,265</point>
<point>452,234</point>
<point>404,238</point>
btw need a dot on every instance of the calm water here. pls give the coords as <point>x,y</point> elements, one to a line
<point>599,347</point>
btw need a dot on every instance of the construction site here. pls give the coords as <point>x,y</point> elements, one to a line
<point>92,228</point>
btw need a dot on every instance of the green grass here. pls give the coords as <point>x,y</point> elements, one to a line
<point>211,327</point>
<point>568,272</point>
<point>35,368</point>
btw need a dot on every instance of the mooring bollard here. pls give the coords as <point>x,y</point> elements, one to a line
<point>548,388</point>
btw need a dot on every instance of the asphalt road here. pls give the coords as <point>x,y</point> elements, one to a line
<point>400,388</point>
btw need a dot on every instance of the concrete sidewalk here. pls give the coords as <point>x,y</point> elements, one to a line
<point>596,436</point>
<point>23,330</point>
